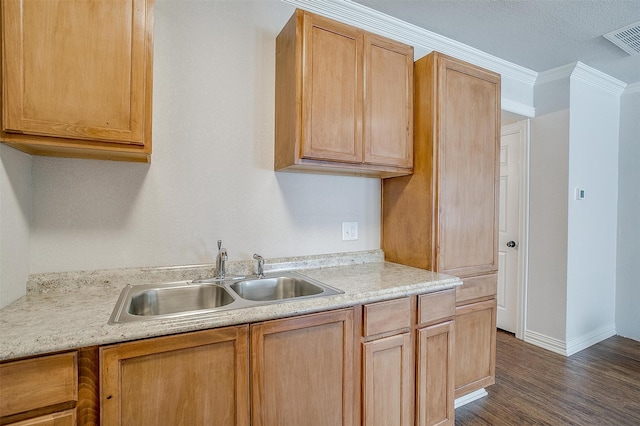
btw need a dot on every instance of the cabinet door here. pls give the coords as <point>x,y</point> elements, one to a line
<point>434,377</point>
<point>475,346</point>
<point>388,386</point>
<point>331,91</point>
<point>469,173</point>
<point>78,70</point>
<point>189,379</point>
<point>302,370</point>
<point>388,129</point>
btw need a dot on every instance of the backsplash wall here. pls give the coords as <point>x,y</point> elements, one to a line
<point>211,173</point>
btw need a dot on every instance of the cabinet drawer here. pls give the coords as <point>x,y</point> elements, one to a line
<point>437,306</point>
<point>38,382</point>
<point>480,287</point>
<point>383,317</point>
<point>64,418</point>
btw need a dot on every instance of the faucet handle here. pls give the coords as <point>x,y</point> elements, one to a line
<point>219,244</point>
<point>260,260</point>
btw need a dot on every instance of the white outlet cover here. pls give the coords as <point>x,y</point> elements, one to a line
<point>349,231</point>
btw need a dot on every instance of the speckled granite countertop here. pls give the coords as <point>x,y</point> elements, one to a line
<point>71,311</point>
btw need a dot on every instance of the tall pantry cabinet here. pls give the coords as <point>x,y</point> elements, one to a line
<point>444,217</point>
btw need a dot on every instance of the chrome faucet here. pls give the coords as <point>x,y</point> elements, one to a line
<point>221,260</point>
<point>260,260</point>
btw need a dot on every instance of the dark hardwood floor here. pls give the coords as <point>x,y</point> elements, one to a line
<point>597,386</point>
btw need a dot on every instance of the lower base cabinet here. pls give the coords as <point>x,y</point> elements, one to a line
<point>302,370</point>
<point>435,344</point>
<point>40,391</point>
<point>385,363</point>
<point>408,347</point>
<point>434,375</point>
<point>475,344</point>
<point>198,378</point>
<point>388,381</point>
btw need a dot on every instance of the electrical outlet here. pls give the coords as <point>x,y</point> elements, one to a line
<point>349,231</point>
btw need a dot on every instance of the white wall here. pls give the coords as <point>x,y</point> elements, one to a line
<point>15,214</point>
<point>211,175</point>
<point>572,265</point>
<point>628,251</point>
<point>549,176</point>
<point>593,166</point>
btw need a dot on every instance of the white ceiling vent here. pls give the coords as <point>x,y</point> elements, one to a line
<point>627,38</point>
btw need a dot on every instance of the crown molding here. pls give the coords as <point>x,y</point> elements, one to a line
<point>555,74</point>
<point>517,107</point>
<point>584,73</point>
<point>598,78</point>
<point>632,88</point>
<point>369,19</point>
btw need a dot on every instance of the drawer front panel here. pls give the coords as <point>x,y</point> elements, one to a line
<point>475,288</point>
<point>434,307</point>
<point>64,418</point>
<point>383,317</point>
<point>38,382</point>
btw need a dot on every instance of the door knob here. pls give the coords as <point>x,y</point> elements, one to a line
<point>511,244</point>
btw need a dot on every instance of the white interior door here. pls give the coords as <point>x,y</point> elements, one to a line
<point>509,215</point>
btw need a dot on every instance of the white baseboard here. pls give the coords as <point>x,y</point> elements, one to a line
<point>574,345</point>
<point>582,342</point>
<point>549,343</point>
<point>470,397</point>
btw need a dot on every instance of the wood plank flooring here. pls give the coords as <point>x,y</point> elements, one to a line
<point>597,386</point>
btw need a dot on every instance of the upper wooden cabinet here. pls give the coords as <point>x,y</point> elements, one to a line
<point>77,77</point>
<point>344,100</point>
<point>445,216</point>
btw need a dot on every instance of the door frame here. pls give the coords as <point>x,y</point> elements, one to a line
<point>523,128</point>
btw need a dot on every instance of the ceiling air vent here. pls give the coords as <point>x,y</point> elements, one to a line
<point>627,38</point>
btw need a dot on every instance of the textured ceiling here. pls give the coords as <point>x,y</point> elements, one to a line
<point>536,34</point>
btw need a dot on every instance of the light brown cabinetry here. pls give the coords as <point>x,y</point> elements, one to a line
<point>361,365</point>
<point>39,391</point>
<point>78,78</point>
<point>435,359</point>
<point>388,358</point>
<point>64,418</point>
<point>193,378</point>
<point>408,347</point>
<point>343,99</point>
<point>302,370</point>
<point>444,217</point>
<point>475,334</point>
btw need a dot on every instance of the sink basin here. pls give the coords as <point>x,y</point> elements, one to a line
<point>168,300</point>
<point>162,301</point>
<point>275,288</point>
<point>171,300</point>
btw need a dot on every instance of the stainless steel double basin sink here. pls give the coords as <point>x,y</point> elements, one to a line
<point>186,298</point>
